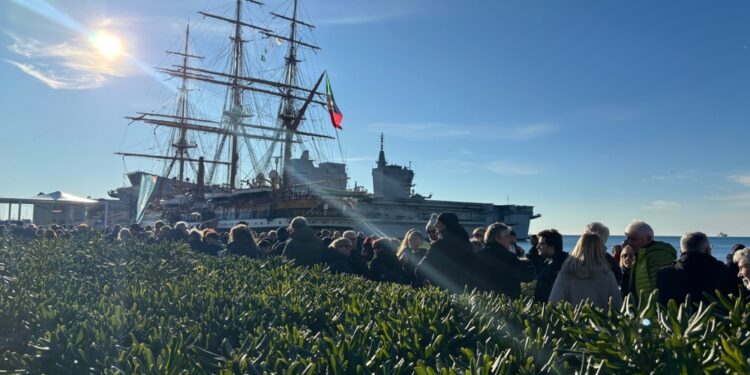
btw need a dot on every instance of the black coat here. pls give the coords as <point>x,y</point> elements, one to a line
<point>536,259</point>
<point>615,267</point>
<point>547,276</point>
<point>304,247</point>
<point>385,267</point>
<point>409,260</point>
<point>501,271</point>
<point>449,264</point>
<point>693,274</point>
<point>337,262</point>
<point>625,282</point>
<point>241,248</point>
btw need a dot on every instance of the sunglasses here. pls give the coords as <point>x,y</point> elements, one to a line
<point>628,256</point>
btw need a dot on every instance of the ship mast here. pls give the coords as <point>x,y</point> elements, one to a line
<point>181,120</point>
<point>238,81</point>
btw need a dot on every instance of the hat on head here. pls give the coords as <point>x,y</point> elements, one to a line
<point>450,220</point>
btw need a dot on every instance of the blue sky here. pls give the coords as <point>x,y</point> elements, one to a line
<point>587,110</point>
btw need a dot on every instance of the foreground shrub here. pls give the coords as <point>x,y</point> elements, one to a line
<point>89,306</point>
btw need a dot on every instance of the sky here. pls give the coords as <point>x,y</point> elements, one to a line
<point>588,110</point>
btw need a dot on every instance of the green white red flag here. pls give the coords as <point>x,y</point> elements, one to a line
<point>333,109</point>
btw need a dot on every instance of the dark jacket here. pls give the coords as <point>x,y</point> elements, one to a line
<point>385,267</point>
<point>546,278</point>
<point>337,262</point>
<point>409,260</point>
<point>625,282</point>
<point>501,271</point>
<point>615,266</point>
<point>242,248</point>
<point>536,259</point>
<point>449,264</point>
<point>693,274</point>
<point>304,247</point>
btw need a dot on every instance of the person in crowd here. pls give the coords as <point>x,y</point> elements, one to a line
<point>627,261</point>
<point>112,235</point>
<point>411,251</point>
<point>282,235</point>
<point>432,233</point>
<point>651,256</point>
<point>696,272</point>
<point>478,233</point>
<point>336,235</point>
<point>179,233</point>
<point>264,249</point>
<point>586,276</point>
<point>337,256</point>
<point>212,243</point>
<point>533,254</point>
<point>273,236</point>
<point>550,247</point>
<point>367,252</point>
<point>195,240</point>
<point>603,232</point>
<point>164,233</point>
<point>734,269</point>
<point>518,250</point>
<point>476,245</point>
<point>385,265</point>
<point>123,234</point>
<point>742,259</point>
<point>449,263</point>
<point>500,270</point>
<point>617,252</point>
<point>241,242</point>
<point>304,248</point>
<point>356,262</point>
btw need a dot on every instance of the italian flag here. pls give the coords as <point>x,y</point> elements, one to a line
<point>333,109</point>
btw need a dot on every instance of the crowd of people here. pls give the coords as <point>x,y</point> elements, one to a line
<point>489,259</point>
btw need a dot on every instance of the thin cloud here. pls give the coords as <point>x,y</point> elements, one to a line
<point>662,205</point>
<point>740,179</point>
<point>69,81</point>
<point>71,65</point>
<point>511,168</point>
<point>422,130</point>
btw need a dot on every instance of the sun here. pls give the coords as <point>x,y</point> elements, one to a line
<point>108,45</point>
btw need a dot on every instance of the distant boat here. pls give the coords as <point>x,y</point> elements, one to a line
<point>722,235</point>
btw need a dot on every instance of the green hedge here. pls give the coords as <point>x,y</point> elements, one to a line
<point>89,306</point>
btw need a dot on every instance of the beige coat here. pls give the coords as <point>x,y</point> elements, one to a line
<point>597,289</point>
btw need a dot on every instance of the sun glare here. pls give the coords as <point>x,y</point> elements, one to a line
<point>108,45</point>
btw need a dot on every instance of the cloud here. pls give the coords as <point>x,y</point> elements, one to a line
<point>510,168</point>
<point>71,65</point>
<point>69,81</point>
<point>422,130</point>
<point>743,180</point>
<point>661,205</point>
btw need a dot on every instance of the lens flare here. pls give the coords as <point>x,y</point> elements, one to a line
<point>108,45</point>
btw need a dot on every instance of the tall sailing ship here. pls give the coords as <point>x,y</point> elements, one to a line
<point>254,161</point>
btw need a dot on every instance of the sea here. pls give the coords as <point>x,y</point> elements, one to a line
<point>721,246</point>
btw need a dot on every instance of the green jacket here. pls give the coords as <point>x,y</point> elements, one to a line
<point>650,260</point>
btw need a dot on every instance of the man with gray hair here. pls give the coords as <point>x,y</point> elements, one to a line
<point>602,231</point>
<point>651,256</point>
<point>742,259</point>
<point>696,273</point>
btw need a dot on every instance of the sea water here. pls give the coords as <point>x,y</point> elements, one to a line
<point>721,246</point>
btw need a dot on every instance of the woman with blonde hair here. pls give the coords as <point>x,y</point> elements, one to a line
<point>411,251</point>
<point>587,276</point>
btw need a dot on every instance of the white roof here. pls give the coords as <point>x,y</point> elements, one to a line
<point>62,197</point>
